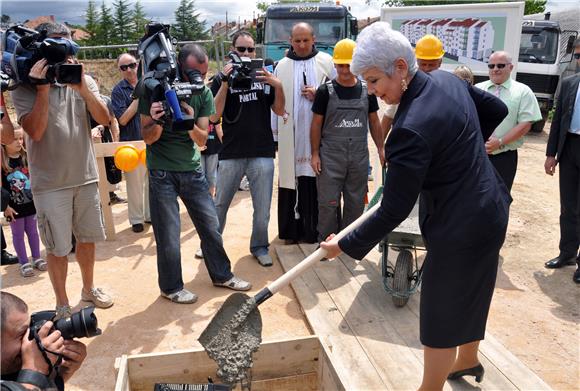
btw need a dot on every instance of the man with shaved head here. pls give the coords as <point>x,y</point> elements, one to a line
<point>302,70</point>
<point>523,111</point>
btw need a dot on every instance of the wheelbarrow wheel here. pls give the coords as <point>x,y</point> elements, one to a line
<point>402,278</point>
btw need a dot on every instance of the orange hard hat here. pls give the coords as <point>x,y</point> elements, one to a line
<point>429,48</point>
<point>143,156</point>
<point>126,158</point>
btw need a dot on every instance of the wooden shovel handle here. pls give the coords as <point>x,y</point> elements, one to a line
<point>317,255</point>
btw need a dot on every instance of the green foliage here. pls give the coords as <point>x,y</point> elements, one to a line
<point>5,19</point>
<point>92,22</point>
<point>105,31</point>
<point>123,21</point>
<point>531,6</point>
<point>140,20</point>
<point>187,23</point>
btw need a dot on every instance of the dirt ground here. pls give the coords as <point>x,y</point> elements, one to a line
<point>535,312</point>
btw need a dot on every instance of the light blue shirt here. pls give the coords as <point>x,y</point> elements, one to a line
<point>575,122</point>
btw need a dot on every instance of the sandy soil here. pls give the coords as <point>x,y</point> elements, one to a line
<point>535,312</point>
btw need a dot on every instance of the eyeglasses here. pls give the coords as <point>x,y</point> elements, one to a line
<point>242,49</point>
<point>499,66</point>
<point>133,65</point>
<point>577,56</point>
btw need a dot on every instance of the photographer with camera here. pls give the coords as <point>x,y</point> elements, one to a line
<point>248,144</point>
<point>22,360</point>
<point>175,171</point>
<point>62,162</point>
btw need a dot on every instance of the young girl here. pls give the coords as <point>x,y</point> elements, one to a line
<point>21,211</point>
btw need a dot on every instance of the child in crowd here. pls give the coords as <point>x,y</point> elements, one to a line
<point>21,211</point>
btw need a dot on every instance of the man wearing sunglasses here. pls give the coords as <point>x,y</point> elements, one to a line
<point>523,111</point>
<point>564,149</point>
<point>125,108</point>
<point>248,143</point>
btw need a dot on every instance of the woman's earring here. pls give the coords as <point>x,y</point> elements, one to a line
<point>404,85</point>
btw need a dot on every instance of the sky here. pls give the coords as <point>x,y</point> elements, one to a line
<point>72,11</point>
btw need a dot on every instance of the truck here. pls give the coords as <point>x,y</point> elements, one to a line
<point>545,52</point>
<point>331,23</point>
<point>472,32</point>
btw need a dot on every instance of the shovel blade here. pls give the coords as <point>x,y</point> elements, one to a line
<point>230,338</point>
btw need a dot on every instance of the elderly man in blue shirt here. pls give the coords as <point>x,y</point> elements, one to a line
<point>125,108</point>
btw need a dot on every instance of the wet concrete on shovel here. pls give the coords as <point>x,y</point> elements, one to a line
<point>232,336</point>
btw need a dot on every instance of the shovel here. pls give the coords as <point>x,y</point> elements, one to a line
<point>235,332</point>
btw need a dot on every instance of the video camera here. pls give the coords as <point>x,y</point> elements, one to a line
<point>162,79</point>
<point>244,71</point>
<point>82,324</point>
<point>23,47</point>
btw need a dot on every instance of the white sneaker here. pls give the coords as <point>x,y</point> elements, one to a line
<point>181,297</point>
<point>235,283</point>
<point>199,254</point>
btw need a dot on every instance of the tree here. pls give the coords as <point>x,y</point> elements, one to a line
<point>5,19</point>
<point>187,24</point>
<point>105,32</point>
<point>139,20</point>
<point>531,6</point>
<point>91,22</point>
<point>123,21</point>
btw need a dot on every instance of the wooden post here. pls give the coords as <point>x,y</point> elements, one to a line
<point>103,150</point>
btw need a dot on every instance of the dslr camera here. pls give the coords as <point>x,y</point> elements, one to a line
<point>163,77</point>
<point>243,73</point>
<point>82,324</point>
<point>23,47</point>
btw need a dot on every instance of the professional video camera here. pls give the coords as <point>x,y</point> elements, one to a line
<point>23,47</point>
<point>80,324</point>
<point>244,71</point>
<point>163,79</point>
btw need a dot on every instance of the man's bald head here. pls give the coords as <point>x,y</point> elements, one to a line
<point>302,27</point>
<point>302,39</point>
<point>500,67</point>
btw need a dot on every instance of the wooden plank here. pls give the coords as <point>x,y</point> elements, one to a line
<point>344,351</point>
<point>122,373</point>
<point>327,378</point>
<point>398,366</point>
<point>108,149</point>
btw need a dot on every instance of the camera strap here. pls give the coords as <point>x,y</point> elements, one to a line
<point>44,352</point>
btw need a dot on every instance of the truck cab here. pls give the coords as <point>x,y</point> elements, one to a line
<point>545,52</point>
<point>331,23</point>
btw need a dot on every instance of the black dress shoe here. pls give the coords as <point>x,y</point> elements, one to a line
<point>559,262</point>
<point>576,277</point>
<point>137,228</point>
<point>8,259</point>
<point>476,371</point>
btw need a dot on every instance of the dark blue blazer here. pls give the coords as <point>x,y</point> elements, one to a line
<point>436,149</point>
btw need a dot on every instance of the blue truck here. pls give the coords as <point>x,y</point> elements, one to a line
<point>331,23</point>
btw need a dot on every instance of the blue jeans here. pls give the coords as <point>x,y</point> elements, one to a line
<point>191,187</point>
<point>260,174</point>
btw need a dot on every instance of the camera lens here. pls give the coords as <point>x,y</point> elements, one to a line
<point>80,324</point>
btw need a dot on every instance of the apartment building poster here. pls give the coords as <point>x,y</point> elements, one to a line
<point>470,32</point>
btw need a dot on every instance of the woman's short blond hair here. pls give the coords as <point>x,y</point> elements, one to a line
<point>463,72</point>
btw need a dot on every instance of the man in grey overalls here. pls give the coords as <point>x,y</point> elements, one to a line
<point>343,113</point>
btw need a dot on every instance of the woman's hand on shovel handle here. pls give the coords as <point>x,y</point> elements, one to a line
<point>331,247</point>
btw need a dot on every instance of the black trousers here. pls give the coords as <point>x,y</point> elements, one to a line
<point>506,164</point>
<point>569,175</point>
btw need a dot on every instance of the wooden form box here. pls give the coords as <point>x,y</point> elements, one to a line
<point>298,364</point>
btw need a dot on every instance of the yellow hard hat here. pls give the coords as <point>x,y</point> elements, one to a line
<point>429,48</point>
<point>343,51</point>
<point>126,158</point>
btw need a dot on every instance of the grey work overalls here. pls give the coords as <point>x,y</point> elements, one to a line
<point>344,159</point>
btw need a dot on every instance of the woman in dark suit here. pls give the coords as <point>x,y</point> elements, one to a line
<point>436,150</point>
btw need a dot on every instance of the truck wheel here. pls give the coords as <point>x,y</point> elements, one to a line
<point>402,277</point>
<point>538,127</point>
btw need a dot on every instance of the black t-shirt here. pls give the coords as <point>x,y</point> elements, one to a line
<point>246,121</point>
<point>17,184</point>
<point>322,96</point>
<point>213,142</point>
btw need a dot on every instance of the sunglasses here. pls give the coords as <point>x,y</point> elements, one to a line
<point>242,49</point>
<point>133,65</point>
<point>577,56</point>
<point>499,66</point>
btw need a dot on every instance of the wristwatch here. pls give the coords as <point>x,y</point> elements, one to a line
<point>501,144</point>
<point>35,378</point>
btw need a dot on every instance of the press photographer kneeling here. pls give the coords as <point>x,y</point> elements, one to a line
<point>23,362</point>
